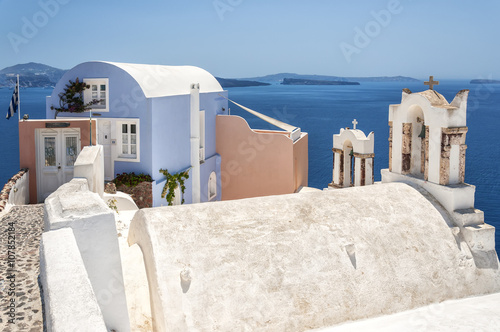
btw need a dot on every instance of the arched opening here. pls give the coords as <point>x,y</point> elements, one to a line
<point>348,164</point>
<point>418,140</point>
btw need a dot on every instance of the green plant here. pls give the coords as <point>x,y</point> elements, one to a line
<point>71,99</point>
<point>131,179</point>
<point>112,204</point>
<point>174,180</point>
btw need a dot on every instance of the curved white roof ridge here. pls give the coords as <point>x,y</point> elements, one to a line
<point>434,97</point>
<point>161,80</point>
<point>358,134</point>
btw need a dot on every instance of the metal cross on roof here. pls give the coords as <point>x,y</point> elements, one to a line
<point>354,123</point>
<point>431,83</point>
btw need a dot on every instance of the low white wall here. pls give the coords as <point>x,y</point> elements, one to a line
<point>20,192</point>
<point>93,225</point>
<point>69,301</point>
<point>15,191</point>
<point>90,165</point>
<point>122,201</point>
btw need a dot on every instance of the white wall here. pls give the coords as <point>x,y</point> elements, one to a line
<point>20,192</point>
<point>90,165</point>
<point>93,224</point>
<point>69,300</point>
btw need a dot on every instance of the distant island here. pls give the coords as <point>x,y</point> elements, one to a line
<point>484,81</point>
<point>234,83</point>
<point>295,81</point>
<point>278,78</point>
<point>31,75</point>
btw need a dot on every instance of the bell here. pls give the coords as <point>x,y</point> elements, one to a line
<point>351,153</point>
<point>422,133</point>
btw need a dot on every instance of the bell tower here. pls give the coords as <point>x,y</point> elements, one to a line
<point>427,136</point>
<point>427,150</point>
<point>352,158</point>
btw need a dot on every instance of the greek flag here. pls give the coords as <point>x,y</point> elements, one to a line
<point>14,102</point>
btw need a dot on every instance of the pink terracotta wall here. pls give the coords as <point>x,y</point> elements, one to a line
<point>27,146</point>
<point>258,164</point>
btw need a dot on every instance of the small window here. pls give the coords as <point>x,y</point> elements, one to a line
<point>71,150</point>
<point>98,91</point>
<point>128,140</point>
<point>50,151</point>
<point>212,186</point>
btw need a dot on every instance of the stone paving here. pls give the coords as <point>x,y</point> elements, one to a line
<point>26,223</point>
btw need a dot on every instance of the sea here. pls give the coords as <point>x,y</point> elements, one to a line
<point>321,111</point>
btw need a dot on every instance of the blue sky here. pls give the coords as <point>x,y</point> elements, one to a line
<point>245,38</point>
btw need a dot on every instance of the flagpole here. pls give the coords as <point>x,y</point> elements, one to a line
<point>18,100</point>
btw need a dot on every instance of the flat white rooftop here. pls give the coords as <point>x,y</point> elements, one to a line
<point>480,313</point>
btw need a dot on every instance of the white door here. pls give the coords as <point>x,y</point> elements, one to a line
<point>104,139</point>
<point>57,150</point>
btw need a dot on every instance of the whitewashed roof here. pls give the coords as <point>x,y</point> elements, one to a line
<point>303,261</point>
<point>161,81</point>
<point>434,97</point>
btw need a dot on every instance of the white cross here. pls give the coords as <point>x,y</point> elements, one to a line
<point>354,123</point>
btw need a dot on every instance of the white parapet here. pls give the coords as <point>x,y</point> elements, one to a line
<point>93,225</point>
<point>90,165</point>
<point>20,192</point>
<point>70,302</point>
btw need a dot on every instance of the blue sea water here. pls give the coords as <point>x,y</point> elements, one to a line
<point>322,111</point>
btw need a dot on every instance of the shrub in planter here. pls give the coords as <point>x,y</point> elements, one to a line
<point>131,179</point>
<point>138,186</point>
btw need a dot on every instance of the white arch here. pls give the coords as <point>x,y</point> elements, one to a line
<point>360,143</point>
